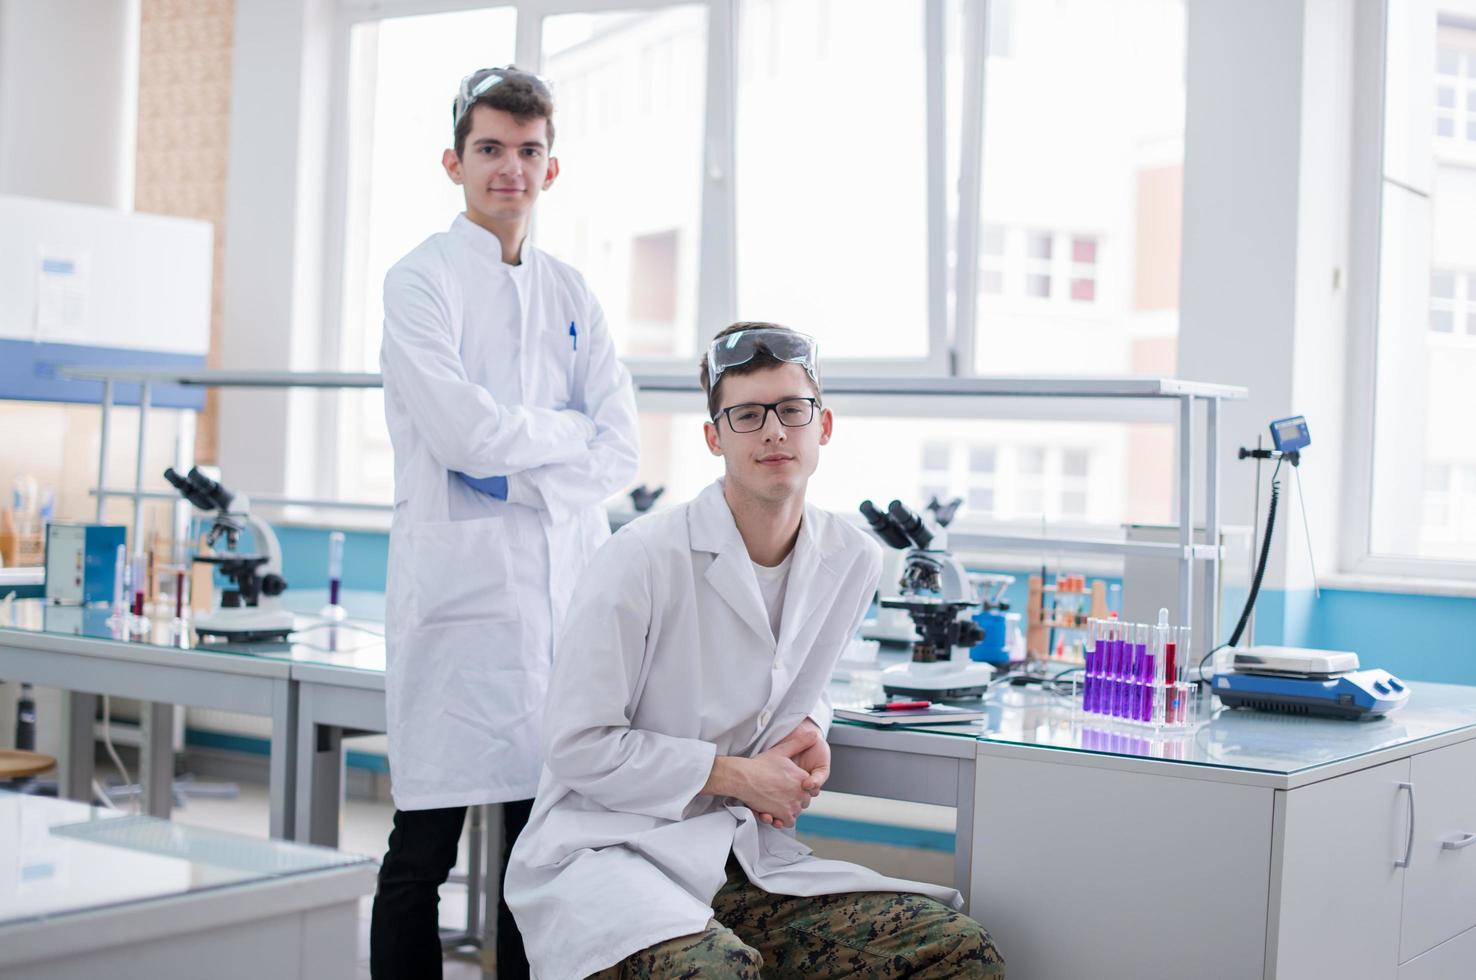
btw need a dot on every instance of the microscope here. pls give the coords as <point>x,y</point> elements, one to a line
<point>251,611</point>
<point>935,592</point>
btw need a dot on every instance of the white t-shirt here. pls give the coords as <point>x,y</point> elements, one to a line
<point>771,583</point>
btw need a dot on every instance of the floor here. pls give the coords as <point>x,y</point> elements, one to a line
<point>366,826</point>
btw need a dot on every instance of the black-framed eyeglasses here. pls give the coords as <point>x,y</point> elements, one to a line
<point>792,413</point>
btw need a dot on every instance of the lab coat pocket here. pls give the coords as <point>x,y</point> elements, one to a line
<point>461,573</point>
<point>557,358</point>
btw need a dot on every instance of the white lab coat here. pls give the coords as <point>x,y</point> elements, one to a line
<point>666,660</point>
<point>482,377</point>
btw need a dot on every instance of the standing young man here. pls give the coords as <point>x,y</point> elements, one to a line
<point>511,420</point>
<point>687,719</point>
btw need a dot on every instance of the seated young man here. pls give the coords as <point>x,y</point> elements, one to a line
<point>686,719</point>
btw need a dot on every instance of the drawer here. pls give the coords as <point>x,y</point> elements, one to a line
<point>1440,885</point>
<point>1451,959</point>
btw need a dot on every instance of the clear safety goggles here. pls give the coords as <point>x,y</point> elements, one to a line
<point>482,81</point>
<point>742,346</point>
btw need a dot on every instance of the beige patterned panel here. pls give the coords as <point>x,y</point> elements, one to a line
<point>184,104</point>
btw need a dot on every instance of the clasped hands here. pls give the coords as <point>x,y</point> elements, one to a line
<point>780,782</point>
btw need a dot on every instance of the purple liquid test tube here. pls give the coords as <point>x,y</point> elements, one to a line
<point>1146,676</point>
<point>1093,669</point>
<point>1140,657</point>
<point>1121,653</point>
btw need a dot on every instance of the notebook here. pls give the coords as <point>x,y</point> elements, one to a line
<point>938,714</point>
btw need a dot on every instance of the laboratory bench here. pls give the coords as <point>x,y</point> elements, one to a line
<point>105,893</point>
<point>1254,845</point>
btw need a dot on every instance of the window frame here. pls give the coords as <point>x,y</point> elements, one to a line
<point>1370,181</point>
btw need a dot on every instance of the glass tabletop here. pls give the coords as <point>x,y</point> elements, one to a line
<point>1228,738</point>
<point>59,857</point>
<point>356,642</point>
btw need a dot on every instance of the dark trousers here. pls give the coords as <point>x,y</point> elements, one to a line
<point>404,933</point>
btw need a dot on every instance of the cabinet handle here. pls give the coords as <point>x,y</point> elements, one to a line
<point>1409,840</point>
<point>1465,840</point>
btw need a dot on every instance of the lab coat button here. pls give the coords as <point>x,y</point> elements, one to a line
<point>764,719</point>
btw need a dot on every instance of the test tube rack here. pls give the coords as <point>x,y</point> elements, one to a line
<point>1137,675</point>
<point>1074,603</point>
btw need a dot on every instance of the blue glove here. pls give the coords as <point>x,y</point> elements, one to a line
<point>492,486</point>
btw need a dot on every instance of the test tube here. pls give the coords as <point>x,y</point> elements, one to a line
<point>1186,684</point>
<point>333,611</point>
<point>1093,666</point>
<point>180,562</point>
<point>1172,696</point>
<point>1147,673</point>
<point>138,583</point>
<point>335,566</point>
<point>1122,652</point>
<point>120,583</point>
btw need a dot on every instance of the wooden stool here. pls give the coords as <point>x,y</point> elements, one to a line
<point>15,763</point>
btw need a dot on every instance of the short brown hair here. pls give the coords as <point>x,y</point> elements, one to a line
<point>521,93</point>
<point>763,358</point>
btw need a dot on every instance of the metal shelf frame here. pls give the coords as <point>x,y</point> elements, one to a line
<point>1187,551</point>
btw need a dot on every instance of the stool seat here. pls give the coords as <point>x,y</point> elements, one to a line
<point>15,763</point>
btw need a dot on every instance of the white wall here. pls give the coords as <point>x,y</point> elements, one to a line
<point>1266,237</point>
<point>69,99</point>
<point>272,304</point>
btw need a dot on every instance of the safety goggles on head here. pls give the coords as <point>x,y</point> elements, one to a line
<point>482,81</point>
<point>742,346</point>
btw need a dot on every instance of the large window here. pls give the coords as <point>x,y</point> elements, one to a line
<point>1423,456</point>
<point>808,161</point>
<point>1083,149</point>
<point>402,74</point>
<point>627,208</point>
<point>832,177</point>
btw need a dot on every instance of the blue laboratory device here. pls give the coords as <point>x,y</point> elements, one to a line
<point>1290,435</point>
<point>1308,682</point>
<point>81,561</point>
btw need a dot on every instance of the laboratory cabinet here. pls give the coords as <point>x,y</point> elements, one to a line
<point>1236,860</point>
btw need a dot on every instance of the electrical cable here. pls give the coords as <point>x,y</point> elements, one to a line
<point>1255,589</point>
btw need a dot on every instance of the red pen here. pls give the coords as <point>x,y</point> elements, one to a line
<point>901,705</point>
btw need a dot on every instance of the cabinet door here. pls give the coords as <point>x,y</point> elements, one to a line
<point>1337,911</point>
<point>1440,886</point>
<point>1085,872</point>
<point>1451,960</point>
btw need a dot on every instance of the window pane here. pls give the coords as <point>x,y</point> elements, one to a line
<point>1445,97</point>
<point>935,455</point>
<point>1060,158</point>
<point>981,459</point>
<point>1129,484</point>
<point>991,240</point>
<point>991,282</point>
<point>823,87</point>
<point>1448,62</point>
<point>1030,461</point>
<point>623,81</point>
<point>403,74</point>
<point>1445,127</point>
<point>1075,462</point>
<point>980,501</point>
<point>1426,399</point>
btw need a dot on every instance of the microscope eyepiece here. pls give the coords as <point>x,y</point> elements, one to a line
<point>884,526</point>
<point>911,524</point>
<point>200,490</point>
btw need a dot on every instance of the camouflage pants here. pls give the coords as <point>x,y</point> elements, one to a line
<point>858,934</point>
